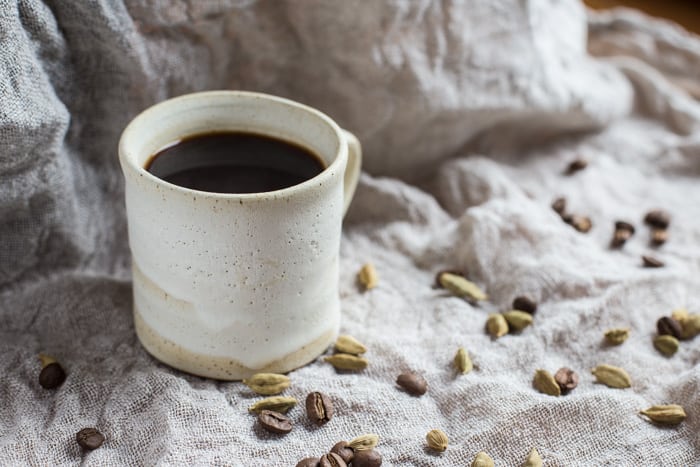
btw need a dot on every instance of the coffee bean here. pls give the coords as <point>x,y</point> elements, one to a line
<point>369,458</point>
<point>658,218</point>
<point>670,326</point>
<point>275,422</point>
<point>559,206</point>
<point>622,225</point>
<point>52,376</point>
<point>309,462</point>
<point>89,438</point>
<point>659,237</point>
<point>343,450</point>
<point>650,262</point>
<point>581,223</point>
<point>623,231</point>
<point>566,378</point>
<point>525,304</point>
<point>575,166</point>
<point>332,460</point>
<point>412,383</point>
<point>319,408</point>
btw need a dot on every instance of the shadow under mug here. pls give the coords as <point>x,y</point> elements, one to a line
<point>228,285</point>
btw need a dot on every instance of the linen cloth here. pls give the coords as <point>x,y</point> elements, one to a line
<point>468,113</point>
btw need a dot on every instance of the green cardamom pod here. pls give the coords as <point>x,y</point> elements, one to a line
<point>671,414</point>
<point>666,344</point>
<point>364,442</point>
<point>345,361</point>
<point>690,327</point>
<point>612,376</point>
<point>517,320</point>
<point>348,344</point>
<point>496,325</point>
<point>617,336</point>
<point>461,287</point>
<point>437,440</point>
<point>533,459</point>
<point>279,404</point>
<point>267,384</point>
<point>462,361</point>
<point>545,383</point>
<point>367,276</point>
<point>482,460</point>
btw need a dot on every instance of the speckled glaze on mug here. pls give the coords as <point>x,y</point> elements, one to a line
<point>227,285</point>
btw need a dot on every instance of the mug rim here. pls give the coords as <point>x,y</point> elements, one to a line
<point>129,162</point>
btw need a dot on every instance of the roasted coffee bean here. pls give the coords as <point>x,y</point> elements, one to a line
<point>369,458</point>
<point>275,422</point>
<point>623,231</point>
<point>670,326</point>
<point>525,304</point>
<point>412,383</point>
<point>309,462</point>
<point>559,206</point>
<point>332,460</point>
<point>319,407</point>
<point>581,223</point>
<point>52,376</point>
<point>622,225</point>
<point>89,438</point>
<point>650,262</point>
<point>344,451</point>
<point>659,237</point>
<point>658,218</point>
<point>576,166</point>
<point>566,378</point>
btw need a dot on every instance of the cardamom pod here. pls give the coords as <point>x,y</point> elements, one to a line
<point>482,460</point>
<point>496,325</point>
<point>690,327</point>
<point>680,314</point>
<point>612,376</point>
<point>617,336</point>
<point>267,384</point>
<point>364,442</point>
<point>666,344</point>
<point>277,404</point>
<point>461,286</point>
<point>346,361</point>
<point>545,383</point>
<point>437,440</point>
<point>462,361</point>
<point>671,414</point>
<point>348,344</point>
<point>517,320</point>
<point>533,459</point>
<point>46,360</point>
<point>367,276</point>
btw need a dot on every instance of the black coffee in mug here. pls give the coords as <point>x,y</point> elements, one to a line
<point>234,162</point>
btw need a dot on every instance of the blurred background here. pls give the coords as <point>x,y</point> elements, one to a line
<point>684,12</point>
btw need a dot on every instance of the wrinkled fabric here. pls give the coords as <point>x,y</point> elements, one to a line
<point>469,113</point>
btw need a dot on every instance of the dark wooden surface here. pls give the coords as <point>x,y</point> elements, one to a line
<point>684,12</point>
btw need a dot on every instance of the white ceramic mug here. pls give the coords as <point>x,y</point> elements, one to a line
<point>228,285</point>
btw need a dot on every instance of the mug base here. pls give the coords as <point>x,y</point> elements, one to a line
<point>223,368</point>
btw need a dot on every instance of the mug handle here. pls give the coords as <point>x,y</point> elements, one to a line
<point>352,170</point>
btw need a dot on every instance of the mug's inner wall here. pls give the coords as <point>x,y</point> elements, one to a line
<point>203,113</point>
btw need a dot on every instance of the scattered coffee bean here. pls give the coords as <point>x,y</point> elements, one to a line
<point>309,462</point>
<point>671,414</point>
<point>364,442</point>
<point>545,383</point>
<point>319,408</point>
<point>52,376</point>
<point>622,225</point>
<point>623,231</point>
<point>367,277</point>
<point>659,237</point>
<point>525,304</point>
<point>650,262</point>
<point>670,326</point>
<point>331,460</point>
<point>576,166</point>
<point>368,458</point>
<point>559,206</point>
<point>344,451</point>
<point>566,378</point>
<point>658,218</point>
<point>412,383</point>
<point>275,422</point>
<point>581,223</point>
<point>89,438</point>
<point>666,344</point>
<point>437,440</point>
